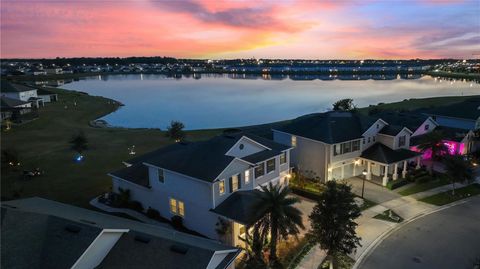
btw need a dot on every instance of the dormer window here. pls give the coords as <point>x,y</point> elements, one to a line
<point>402,140</point>
<point>427,126</point>
<point>221,186</point>
<point>378,126</point>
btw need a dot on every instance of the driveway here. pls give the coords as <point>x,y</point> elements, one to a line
<point>449,238</point>
<point>306,207</point>
<point>373,192</point>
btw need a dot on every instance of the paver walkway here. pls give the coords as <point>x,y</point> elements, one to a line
<point>370,229</point>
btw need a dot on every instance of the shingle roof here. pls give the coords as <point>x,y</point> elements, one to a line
<point>241,207</point>
<point>469,109</point>
<point>449,133</point>
<point>7,86</point>
<point>383,154</point>
<point>7,102</point>
<point>203,160</point>
<point>410,120</point>
<point>137,173</point>
<point>261,156</point>
<point>391,130</point>
<point>42,91</point>
<point>31,240</point>
<point>330,127</point>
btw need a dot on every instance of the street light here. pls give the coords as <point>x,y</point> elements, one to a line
<point>364,173</point>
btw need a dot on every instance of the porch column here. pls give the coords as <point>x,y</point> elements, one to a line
<point>369,172</point>
<point>418,163</point>
<point>385,176</point>
<point>404,171</point>
<point>395,174</point>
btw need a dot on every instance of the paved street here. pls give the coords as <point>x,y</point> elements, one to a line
<point>449,238</point>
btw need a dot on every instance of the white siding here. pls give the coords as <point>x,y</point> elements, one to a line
<point>249,148</point>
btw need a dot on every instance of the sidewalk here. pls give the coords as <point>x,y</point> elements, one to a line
<point>371,230</point>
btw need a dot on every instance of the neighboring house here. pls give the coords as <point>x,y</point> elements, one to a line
<point>462,115</point>
<point>418,123</point>
<point>36,72</point>
<point>47,96</point>
<point>21,92</point>
<point>338,145</point>
<point>40,233</point>
<point>209,183</point>
<point>54,71</point>
<point>14,109</point>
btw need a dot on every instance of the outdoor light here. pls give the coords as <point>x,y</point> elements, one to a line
<point>364,172</point>
<point>289,176</point>
<point>79,158</point>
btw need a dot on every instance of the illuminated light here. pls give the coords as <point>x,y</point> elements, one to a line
<point>79,158</point>
<point>289,176</point>
<point>357,162</point>
<point>329,169</point>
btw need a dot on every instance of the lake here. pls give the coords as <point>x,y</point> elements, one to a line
<point>218,101</point>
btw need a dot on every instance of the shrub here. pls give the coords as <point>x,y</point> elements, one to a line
<point>153,213</point>
<point>391,185</point>
<point>136,205</point>
<point>423,179</point>
<point>177,222</point>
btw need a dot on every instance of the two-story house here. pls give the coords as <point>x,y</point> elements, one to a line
<point>21,92</point>
<point>207,183</point>
<point>338,145</point>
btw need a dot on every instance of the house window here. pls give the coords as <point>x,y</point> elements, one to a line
<point>270,165</point>
<point>368,139</point>
<point>356,145</point>
<point>336,150</point>
<point>363,140</point>
<point>378,125</point>
<point>234,183</point>
<point>177,207</point>
<point>373,138</point>
<point>427,126</point>
<point>161,175</point>
<point>221,186</point>
<point>347,147</point>
<point>402,140</point>
<point>283,158</point>
<point>294,141</point>
<point>242,146</point>
<point>247,176</point>
<point>259,170</point>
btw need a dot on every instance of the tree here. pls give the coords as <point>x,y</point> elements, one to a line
<point>433,141</point>
<point>344,105</point>
<point>458,170</point>
<point>281,218</point>
<point>332,221</point>
<point>79,142</point>
<point>255,246</point>
<point>175,131</point>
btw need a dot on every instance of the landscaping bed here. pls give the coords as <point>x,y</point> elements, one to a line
<point>447,197</point>
<point>389,215</point>
<point>421,187</point>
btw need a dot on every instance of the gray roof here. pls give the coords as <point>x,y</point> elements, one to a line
<point>7,102</point>
<point>7,86</point>
<point>449,133</point>
<point>330,127</point>
<point>242,207</point>
<point>392,130</point>
<point>468,109</point>
<point>43,91</point>
<point>204,160</point>
<point>411,120</point>
<point>137,173</point>
<point>261,156</point>
<point>31,240</point>
<point>378,152</point>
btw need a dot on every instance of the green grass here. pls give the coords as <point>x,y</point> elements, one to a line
<point>44,143</point>
<point>367,204</point>
<point>421,187</point>
<point>447,197</point>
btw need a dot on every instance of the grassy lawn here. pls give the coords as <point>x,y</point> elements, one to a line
<point>420,187</point>
<point>447,197</point>
<point>44,143</point>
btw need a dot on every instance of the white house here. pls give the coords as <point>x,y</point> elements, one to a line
<point>40,233</point>
<point>207,183</point>
<point>54,71</point>
<point>21,92</point>
<point>338,145</point>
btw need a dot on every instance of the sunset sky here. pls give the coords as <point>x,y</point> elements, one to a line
<point>328,29</point>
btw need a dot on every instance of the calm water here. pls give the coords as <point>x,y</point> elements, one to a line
<point>213,101</point>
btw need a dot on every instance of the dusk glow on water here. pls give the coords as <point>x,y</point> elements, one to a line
<point>217,101</point>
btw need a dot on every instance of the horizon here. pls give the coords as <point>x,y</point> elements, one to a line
<point>196,29</point>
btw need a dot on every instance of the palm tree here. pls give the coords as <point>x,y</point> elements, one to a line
<point>255,246</point>
<point>281,218</point>
<point>458,170</point>
<point>433,141</point>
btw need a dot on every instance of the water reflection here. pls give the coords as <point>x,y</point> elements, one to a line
<point>229,100</point>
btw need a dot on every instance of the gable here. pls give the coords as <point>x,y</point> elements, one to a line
<point>244,147</point>
<point>421,129</point>
<point>373,130</point>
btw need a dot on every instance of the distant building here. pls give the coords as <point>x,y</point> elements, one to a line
<point>40,233</point>
<point>46,95</point>
<point>21,92</point>
<point>54,71</point>
<point>14,109</point>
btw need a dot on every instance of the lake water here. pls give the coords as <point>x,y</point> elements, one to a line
<point>213,101</point>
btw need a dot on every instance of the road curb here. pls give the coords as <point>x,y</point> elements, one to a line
<point>385,234</point>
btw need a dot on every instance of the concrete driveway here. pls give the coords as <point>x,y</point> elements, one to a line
<point>306,206</point>
<point>373,192</point>
<point>449,238</point>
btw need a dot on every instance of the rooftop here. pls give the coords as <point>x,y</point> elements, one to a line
<point>241,207</point>
<point>6,102</point>
<point>383,154</point>
<point>7,86</point>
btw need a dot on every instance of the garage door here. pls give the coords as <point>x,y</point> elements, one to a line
<point>348,170</point>
<point>337,173</point>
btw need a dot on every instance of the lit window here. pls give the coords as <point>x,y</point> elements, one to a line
<point>161,175</point>
<point>234,183</point>
<point>270,165</point>
<point>283,158</point>
<point>259,170</point>
<point>247,176</point>
<point>221,186</point>
<point>294,141</point>
<point>173,206</point>
<point>181,209</point>
<point>356,145</point>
